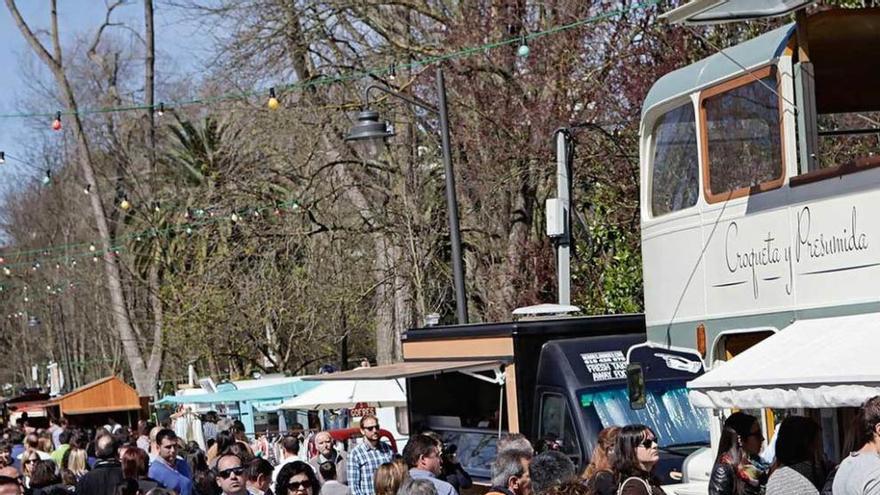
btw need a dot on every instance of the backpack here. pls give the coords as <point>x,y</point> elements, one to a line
<point>647,486</point>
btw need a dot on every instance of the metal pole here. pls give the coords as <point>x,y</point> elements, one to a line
<point>563,248</point>
<point>452,205</point>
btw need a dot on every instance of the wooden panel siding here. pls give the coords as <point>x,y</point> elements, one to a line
<point>494,347</point>
<point>105,395</point>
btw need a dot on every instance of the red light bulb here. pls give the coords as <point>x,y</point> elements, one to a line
<point>56,124</point>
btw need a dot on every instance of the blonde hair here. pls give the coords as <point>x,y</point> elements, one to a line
<point>389,477</point>
<point>45,444</point>
<point>601,460</point>
<point>77,461</point>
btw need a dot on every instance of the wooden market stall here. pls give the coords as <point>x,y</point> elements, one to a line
<point>95,403</point>
<point>31,406</point>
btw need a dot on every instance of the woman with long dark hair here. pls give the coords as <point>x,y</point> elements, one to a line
<point>204,480</point>
<point>599,475</point>
<point>297,478</point>
<point>635,455</point>
<point>730,471</point>
<point>45,481</point>
<point>799,468</point>
<point>737,469</point>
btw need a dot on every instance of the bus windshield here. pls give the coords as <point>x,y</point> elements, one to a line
<point>668,412</point>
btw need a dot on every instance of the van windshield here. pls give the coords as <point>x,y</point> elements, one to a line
<point>668,412</point>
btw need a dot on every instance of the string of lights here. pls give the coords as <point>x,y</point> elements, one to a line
<point>196,219</point>
<point>273,101</point>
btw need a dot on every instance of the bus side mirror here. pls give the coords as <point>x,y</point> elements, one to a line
<point>635,386</point>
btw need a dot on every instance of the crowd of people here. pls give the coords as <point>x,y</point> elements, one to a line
<point>798,465</point>
<point>153,460</point>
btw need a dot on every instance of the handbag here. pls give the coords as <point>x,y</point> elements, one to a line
<point>647,486</point>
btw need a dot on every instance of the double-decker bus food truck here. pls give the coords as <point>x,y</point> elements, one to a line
<point>760,179</point>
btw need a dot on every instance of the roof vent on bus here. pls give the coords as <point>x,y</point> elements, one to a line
<point>545,310</point>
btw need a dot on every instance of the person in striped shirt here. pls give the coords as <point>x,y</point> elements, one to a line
<point>365,459</point>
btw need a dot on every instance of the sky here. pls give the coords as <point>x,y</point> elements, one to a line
<point>181,47</point>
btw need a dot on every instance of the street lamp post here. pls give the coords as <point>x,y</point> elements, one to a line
<point>370,131</point>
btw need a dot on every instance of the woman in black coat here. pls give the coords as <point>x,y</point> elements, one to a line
<point>737,469</point>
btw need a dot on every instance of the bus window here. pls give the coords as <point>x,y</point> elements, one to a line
<point>743,136</point>
<point>556,427</point>
<point>674,184</point>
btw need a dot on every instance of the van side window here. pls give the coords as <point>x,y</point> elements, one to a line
<point>674,183</point>
<point>557,426</point>
<point>743,135</point>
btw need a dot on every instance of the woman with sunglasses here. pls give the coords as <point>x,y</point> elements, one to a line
<point>738,470</point>
<point>297,478</point>
<point>29,461</point>
<point>636,452</point>
<point>45,481</point>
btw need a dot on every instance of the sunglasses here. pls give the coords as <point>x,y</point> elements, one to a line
<point>371,428</point>
<point>226,473</point>
<point>649,442</point>
<point>296,485</point>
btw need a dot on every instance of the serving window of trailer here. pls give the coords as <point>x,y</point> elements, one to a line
<point>464,411</point>
<point>842,52</point>
<point>742,136</point>
<point>674,161</point>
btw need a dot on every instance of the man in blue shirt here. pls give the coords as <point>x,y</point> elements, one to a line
<point>422,455</point>
<point>365,459</point>
<point>171,473</point>
<point>16,438</point>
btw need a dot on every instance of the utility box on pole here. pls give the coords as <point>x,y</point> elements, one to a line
<point>558,212</point>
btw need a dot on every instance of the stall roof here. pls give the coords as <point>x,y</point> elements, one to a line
<point>338,394</point>
<point>818,363</point>
<point>27,397</point>
<point>281,390</point>
<point>105,395</point>
<point>409,369</point>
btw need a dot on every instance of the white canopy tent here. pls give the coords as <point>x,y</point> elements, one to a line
<point>338,394</point>
<point>819,363</point>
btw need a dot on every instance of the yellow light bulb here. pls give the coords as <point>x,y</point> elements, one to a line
<point>273,102</point>
<point>125,204</point>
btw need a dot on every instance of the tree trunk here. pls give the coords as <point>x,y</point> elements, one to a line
<point>145,383</point>
<point>388,322</point>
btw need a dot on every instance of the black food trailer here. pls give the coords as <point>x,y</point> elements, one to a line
<point>558,381</point>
